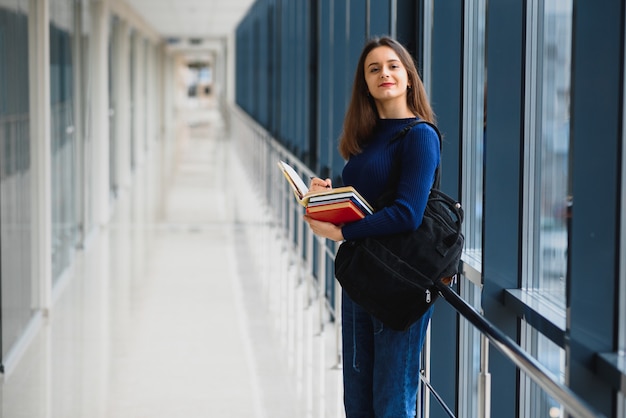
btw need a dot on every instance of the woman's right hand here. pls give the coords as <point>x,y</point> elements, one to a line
<point>325,229</point>
<point>319,185</point>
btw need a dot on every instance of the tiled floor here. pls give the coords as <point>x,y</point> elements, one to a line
<point>172,310</point>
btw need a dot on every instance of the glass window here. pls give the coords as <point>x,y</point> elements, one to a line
<point>63,146</point>
<point>133,98</point>
<point>83,98</point>
<point>114,52</point>
<point>474,123</point>
<point>535,401</point>
<point>18,293</point>
<point>547,148</point>
<point>546,189</point>
<point>472,344</point>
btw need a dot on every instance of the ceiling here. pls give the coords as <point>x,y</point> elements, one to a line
<point>186,21</point>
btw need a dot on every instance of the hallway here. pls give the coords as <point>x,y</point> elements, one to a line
<point>166,316</point>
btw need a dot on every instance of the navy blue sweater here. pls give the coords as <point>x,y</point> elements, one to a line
<point>369,173</point>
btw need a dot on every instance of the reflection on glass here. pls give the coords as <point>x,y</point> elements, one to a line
<point>470,354</point>
<point>537,402</point>
<point>546,174</point>
<point>474,82</point>
<point>549,149</point>
<point>474,123</point>
<point>555,146</point>
<point>63,136</point>
<point>16,258</point>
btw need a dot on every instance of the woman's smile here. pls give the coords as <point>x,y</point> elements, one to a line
<point>386,80</point>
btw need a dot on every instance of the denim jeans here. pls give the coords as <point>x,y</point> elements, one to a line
<point>380,366</point>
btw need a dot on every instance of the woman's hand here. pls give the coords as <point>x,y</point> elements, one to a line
<point>324,229</point>
<point>319,185</point>
<point>321,228</point>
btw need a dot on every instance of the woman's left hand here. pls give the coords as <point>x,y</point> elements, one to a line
<point>324,229</point>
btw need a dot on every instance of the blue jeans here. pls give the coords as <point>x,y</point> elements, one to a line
<point>380,366</point>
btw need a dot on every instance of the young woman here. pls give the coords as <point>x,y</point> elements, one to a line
<point>380,365</point>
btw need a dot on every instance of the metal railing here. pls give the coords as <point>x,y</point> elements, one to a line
<point>261,152</point>
<point>572,403</point>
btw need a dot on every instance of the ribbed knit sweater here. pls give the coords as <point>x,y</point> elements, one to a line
<point>369,172</point>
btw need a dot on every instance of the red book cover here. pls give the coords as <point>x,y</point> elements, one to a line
<point>337,213</point>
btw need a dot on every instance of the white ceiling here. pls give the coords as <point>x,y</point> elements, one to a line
<point>184,19</point>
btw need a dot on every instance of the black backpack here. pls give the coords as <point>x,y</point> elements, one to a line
<point>395,277</point>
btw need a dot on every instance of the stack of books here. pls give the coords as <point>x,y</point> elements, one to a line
<point>338,206</point>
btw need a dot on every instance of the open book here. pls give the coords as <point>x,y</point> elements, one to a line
<point>339,206</point>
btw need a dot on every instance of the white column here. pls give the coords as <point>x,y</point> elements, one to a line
<point>100,110</point>
<point>162,84</point>
<point>139,99</point>
<point>40,151</point>
<point>162,123</point>
<point>121,74</point>
<point>166,112</point>
<point>151,95</point>
<point>79,120</point>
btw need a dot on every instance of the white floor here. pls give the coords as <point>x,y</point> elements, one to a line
<point>183,306</point>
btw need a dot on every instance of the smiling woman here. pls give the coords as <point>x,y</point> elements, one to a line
<point>387,83</point>
<point>365,108</point>
<point>388,96</point>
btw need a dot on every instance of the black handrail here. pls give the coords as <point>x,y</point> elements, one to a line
<point>536,371</point>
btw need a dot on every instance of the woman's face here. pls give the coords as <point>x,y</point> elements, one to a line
<point>385,76</point>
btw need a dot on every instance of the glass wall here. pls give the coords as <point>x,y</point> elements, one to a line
<point>133,98</point>
<point>473,131</point>
<point>83,109</point>
<point>474,122</point>
<point>64,135</point>
<point>546,214</point>
<point>547,147</point>
<point>114,55</point>
<point>534,402</point>
<point>16,286</point>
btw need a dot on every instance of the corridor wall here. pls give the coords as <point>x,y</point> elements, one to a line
<point>68,129</point>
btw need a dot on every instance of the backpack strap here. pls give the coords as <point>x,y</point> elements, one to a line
<point>394,178</point>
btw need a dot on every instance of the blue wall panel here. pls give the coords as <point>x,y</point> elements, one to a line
<point>596,130</point>
<point>502,206</point>
<point>446,94</point>
<point>325,73</point>
<point>338,83</point>
<point>357,35</point>
<point>380,18</point>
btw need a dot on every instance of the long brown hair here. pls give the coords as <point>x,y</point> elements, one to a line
<point>361,115</point>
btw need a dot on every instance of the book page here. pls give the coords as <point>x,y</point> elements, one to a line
<point>300,190</point>
<point>298,186</point>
